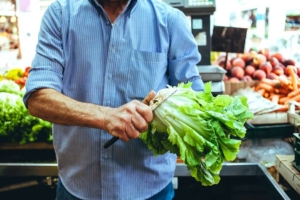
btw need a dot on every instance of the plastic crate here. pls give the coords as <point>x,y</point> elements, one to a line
<point>269,131</point>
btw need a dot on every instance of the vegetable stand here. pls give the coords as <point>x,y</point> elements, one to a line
<point>33,164</point>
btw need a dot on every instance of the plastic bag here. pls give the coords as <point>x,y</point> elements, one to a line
<point>265,153</point>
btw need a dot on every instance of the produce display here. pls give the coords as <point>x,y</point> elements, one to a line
<point>18,75</point>
<point>16,124</point>
<point>203,130</point>
<point>277,76</point>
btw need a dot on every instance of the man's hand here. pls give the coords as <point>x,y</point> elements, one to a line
<point>129,120</point>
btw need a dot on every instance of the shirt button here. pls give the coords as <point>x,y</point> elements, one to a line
<point>109,76</point>
<point>105,156</point>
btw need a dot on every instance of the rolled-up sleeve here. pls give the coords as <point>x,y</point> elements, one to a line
<point>48,64</point>
<point>183,53</point>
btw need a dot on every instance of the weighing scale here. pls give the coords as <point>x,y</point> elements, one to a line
<point>198,13</point>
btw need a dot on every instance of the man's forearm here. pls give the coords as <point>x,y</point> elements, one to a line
<point>52,106</point>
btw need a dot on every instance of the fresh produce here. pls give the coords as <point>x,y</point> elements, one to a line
<point>199,128</point>
<point>259,74</point>
<point>249,70</point>
<point>280,90</point>
<point>237,72</point>
<point>14,74</point>
<point>238,62</point>
<point>274,76</point>
<point>258,60</point>
<point>18,75</point>
<point>9,86</point>
<point>258,65</point>
<point>16,124</point>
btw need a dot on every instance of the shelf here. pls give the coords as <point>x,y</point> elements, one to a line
<point>37,152</point>
<point>228,170</point>
<point>29,146</point>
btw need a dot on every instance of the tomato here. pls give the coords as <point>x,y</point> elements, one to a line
<point>27,69</point>
<point>26,73</point>
<point>22,81</point>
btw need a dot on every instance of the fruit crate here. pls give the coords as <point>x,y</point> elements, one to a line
<point>269,131</point>
<point>285,169</point>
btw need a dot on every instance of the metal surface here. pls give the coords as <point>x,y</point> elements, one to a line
<point>243,169</point>
<point>50,169</point>
<point>218,87</point>
<point>211,73</point>
<point>228,169</point>
<point>28,169</point>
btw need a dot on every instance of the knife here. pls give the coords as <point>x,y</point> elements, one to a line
<point>153,107</point>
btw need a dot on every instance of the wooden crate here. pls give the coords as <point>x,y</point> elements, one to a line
<point>293,116</point>
<point>286,169</point>
<point>231,87</point>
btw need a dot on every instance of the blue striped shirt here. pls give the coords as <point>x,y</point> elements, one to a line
<point>82,55</point>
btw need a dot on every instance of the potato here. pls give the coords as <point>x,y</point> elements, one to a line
<point>259,74</point>
<point>234,80</point>
<point>237,72</point>
<point>249,70</point>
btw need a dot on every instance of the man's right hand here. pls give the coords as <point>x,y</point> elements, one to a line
<point>129,120</point>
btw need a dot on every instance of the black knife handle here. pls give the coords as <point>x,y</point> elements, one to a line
<point>110,142</point>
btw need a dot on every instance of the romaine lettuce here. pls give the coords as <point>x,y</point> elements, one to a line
<point>197,127</point>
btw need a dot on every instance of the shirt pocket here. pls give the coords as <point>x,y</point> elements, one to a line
<point>146,72</point>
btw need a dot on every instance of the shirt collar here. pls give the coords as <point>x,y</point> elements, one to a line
<point>128,9</point>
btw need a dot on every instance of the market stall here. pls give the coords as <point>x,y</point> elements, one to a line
<point>268,79</point>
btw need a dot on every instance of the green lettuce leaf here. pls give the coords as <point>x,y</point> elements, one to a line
<point>197,127</point>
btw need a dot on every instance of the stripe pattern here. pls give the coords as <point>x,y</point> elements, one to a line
<point>84,56</point>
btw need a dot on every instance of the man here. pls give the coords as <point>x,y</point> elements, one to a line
<point>96,62</point>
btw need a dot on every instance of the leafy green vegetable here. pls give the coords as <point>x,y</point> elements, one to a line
<point>197,127</point>
<point>11,87</point>
<point>16,124</point>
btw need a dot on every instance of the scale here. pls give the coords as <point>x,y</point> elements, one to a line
<point>198,12</point>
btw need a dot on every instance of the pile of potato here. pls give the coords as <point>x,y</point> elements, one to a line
<point>278,77</point>
<point>257,65</point>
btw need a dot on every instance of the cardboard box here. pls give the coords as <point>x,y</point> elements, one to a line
<point>286,169</point>
<point>267,118</point>
<point>231,87</point>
